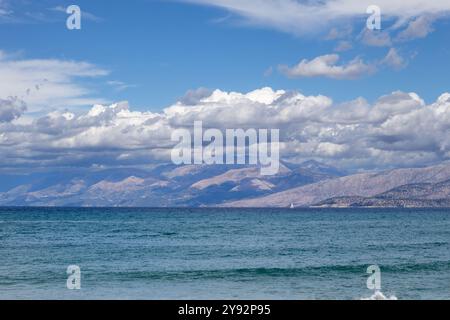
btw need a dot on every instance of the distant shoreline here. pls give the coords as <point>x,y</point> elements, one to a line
<point>232,208</point>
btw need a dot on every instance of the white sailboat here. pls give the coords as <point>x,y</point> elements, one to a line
<point>292,206</point>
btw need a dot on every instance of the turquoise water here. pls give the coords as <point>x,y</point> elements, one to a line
<point>223,254</point>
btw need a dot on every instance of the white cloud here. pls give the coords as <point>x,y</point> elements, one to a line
<point>394,60</point>
<point>376,38</point>
<point>326,66</point>
<point>399,129</point>
<point>337,34</point>
<point>343,46</point>
<point>26,12</point>
<point>47,83</point>
<point>11,109</point>
<point>120,85</point>
<point>85,15</point>
<point>304,17</point>
<point>419,27</point>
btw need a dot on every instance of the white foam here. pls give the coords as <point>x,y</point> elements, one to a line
<point>378,295</point>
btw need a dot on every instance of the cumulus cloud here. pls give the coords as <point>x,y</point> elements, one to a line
<point>47,83</point>
<point>192,97</point>
<point>11,109</point>
<point>399,129</point>
<point>326,66</point>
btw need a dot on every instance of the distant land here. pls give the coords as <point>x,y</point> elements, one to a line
<point>309,184</point>
<point>413,187</point>
<point>420,195</point>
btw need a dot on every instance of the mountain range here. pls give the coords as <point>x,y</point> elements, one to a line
<point>393,188</point>
<point>302,185</point>
<point>163,186</point>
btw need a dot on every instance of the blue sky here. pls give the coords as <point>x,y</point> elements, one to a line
<point>339,92</point>
<point>161,49</point>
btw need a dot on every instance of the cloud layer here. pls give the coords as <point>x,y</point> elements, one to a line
<point>399,129</point>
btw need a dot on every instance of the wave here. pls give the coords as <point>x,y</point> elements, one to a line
<point>252,273</point>
<point>378,295</point>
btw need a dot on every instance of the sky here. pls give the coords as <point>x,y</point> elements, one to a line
<point>312,68</point>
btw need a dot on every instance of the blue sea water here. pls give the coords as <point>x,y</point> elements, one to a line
<point>223,253</point>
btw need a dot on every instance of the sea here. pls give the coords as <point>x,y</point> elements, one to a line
<point>209,253</point>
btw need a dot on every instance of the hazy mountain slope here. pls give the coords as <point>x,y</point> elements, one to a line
<point>355,202</point>
<point>235,186</point>
<point>360,185</point>
<point>162,186</point>
<point>233,176</point>
<point>412,195</point>
<point>430,191</point>
<point>247,182</point>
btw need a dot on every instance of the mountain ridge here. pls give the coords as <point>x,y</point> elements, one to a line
<point>309,184</point>
<point>162,186</point>
<point>360,185</point>
<point>412,195</point>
